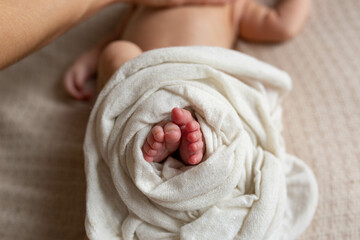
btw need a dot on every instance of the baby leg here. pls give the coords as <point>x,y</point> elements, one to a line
<point>114,56</point>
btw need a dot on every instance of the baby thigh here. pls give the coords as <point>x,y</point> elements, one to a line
<point>114,56</point>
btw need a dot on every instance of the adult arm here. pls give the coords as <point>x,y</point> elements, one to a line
<point>26,26</point>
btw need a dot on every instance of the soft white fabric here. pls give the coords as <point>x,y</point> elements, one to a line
<point>247,187</point>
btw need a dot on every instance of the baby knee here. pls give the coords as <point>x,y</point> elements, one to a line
<point>115,55</point>
<point>124,49</point>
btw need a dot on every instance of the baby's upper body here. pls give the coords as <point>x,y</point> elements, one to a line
<point>210,25</point>
<point>191,25</point>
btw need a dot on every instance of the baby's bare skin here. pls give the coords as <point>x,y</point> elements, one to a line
<point>149,28</point>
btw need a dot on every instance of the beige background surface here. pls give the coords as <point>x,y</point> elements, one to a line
<point>42,183</point>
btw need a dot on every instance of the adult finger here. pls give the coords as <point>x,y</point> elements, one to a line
<point>162,3</point>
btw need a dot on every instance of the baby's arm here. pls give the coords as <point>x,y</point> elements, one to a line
<point>263,24</point>
<point>85,66</point>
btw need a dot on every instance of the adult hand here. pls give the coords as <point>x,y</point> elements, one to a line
<point>26,26</point>
<point>162,3</point>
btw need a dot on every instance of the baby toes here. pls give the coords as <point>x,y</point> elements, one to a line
<point>154,142</point>
<point>161,142</point>
<point>192,145</point>
<point>148,153</point>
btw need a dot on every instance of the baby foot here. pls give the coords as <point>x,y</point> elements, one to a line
<point>192,144</point>
<point>162,140</point>
<point>79,74</point>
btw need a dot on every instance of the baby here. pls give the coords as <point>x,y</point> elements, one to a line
<point>212,25</point>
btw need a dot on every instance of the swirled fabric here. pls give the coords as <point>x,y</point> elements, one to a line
<point>246,187</point>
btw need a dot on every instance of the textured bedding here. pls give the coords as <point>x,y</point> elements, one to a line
<point>42,180</point>
<point>247,187</point>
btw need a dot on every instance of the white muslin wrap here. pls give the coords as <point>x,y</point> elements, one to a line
<point>246,187</point>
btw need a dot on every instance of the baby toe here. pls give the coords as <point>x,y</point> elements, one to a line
<point>180,116</point>
<point>158,133</point>
<point>172,132</point>
<point>149,159</point>
<point>148,150</point>
<point>194,136</point>
<point>152,143</point>
<point>196,146</point>
<point>192,126</point>
<point>196,158</point>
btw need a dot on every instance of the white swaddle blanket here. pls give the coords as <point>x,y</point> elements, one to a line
<point>246,187</point>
